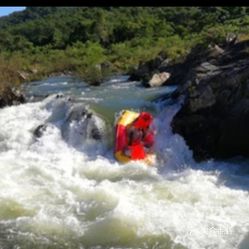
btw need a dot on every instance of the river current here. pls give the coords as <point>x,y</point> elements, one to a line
<point>62,193</point>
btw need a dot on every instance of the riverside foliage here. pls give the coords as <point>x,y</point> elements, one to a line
<point>43,40</point>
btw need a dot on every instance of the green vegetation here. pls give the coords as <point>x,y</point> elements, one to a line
<point>93,42</point>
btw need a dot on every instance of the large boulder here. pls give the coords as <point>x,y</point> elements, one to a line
<point>80,127</point>
<point>82,124</point>
<point>214,117</point>
<point>158,79</point>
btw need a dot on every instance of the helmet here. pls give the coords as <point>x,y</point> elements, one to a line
<point>143,121</point>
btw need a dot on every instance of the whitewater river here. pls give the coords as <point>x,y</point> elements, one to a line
<point>62,191</point>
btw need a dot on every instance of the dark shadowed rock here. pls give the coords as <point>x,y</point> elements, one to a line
<point>38,132</point>
<point>215,51</point>
<point>95,133</point>
<point>8,97</point>
<point>145,71</point>
<point>214,118</point>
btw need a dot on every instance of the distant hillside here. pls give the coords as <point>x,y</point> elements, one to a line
<point>54,39</point>
<point>30,13</point>
<point>62,26</point>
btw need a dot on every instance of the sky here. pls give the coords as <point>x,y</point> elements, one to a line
<point>7,10</point>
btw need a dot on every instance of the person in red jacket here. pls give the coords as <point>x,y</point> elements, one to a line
<point>140,137</point>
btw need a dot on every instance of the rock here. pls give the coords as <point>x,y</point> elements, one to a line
<point>214,117</point>
<point>38,132</point>
<point>164,63</point>
<point>95,133</point>
<point>231,39</point>
<point>81,121</point>
<point>146,70</point>
<point>80,127</point>
<point>201,98</point>
<point>9,97</point>
<point>215,51</point>
<point>206,66</point>
<point>158,79</point>
<point>141,73</point>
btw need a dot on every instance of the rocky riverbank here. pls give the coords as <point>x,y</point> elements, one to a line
<point>214,118</point>
<point>215,113</point>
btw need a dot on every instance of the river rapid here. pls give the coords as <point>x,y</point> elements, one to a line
<point>62,193</point>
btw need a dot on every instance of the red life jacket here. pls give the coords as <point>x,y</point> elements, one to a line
<point>149,139</point>
<point>137,137</point>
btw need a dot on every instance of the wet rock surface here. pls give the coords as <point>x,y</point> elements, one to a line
<point>78,124</point>
<point>214,117</point>
<point>9,97</point>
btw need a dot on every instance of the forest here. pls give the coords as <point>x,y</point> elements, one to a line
<point>98,41</point>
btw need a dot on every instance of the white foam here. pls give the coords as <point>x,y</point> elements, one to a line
<point>65,194</point>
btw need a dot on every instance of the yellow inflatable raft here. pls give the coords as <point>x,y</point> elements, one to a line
<point>125,119</point>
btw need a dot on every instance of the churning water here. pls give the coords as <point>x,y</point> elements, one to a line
<point>64,189</point>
